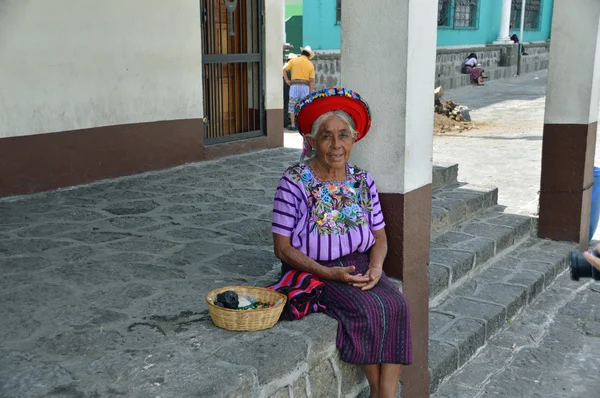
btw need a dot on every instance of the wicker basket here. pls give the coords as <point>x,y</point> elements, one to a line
<point>258,319</point>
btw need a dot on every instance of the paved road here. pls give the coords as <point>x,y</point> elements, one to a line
<point>550,350</point>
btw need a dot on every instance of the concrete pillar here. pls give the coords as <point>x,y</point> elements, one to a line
<point>283,16</point>
<point>273,50</point>
<point>388,55</point>
<point>570,123</point>
<point>503,37</point>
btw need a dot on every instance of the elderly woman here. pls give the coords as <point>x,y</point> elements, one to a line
<point>327,222</point>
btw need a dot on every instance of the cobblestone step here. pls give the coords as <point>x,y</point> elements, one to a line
<point>444,174</point>
<point>457,203</point>
<point>459,252</point>
<point>482,305</point>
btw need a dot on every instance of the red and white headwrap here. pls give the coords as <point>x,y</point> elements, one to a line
<point>320,102</point>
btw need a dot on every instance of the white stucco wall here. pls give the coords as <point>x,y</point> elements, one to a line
<point>72,64</point>
<point>572,95</point>
<point>273,57</point>
<point>388,55</point>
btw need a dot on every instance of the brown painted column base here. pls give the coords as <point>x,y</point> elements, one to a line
<point>408,226</point>
<point>566,182</point>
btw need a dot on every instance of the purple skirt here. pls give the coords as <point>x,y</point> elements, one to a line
<point>475,72</point>
<point>373,325</point>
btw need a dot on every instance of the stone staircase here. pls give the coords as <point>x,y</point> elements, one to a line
<point>485,266</point>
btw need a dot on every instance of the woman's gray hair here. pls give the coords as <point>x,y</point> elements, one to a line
<point>343,116</point>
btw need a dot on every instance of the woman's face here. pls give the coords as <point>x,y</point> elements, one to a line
<point>333,143</point>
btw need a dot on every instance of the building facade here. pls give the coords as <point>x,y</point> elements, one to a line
<point>460,22</point>
<point>463,26</point>
<point>100,89</point>
<point>477,22</point>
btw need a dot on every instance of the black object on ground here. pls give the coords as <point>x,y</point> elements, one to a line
<point>581,268</point>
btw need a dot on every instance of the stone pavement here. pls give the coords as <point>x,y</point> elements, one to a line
<point>103,285</point>
<point>551,350</point>
<point>103,288</point>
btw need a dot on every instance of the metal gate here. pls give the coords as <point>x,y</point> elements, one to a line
<point>232,62</point>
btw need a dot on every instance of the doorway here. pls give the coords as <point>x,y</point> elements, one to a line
<point>232,69</point>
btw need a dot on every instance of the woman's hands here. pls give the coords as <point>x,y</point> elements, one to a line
<point>376,258</point>
<point>300,261</point>
<point>363,282</point>
<point>373,275</point>
<point>344,275</point>
<point>290,255</point>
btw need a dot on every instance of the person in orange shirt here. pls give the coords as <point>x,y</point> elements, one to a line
<point>302,82</point>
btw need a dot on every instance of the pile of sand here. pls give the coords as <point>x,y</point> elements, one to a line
<point>450,117</point>
<point>442,124</point>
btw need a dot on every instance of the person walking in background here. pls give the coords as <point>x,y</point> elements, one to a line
<point>302,81</point>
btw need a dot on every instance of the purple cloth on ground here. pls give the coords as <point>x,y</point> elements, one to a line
<point>474,72</point>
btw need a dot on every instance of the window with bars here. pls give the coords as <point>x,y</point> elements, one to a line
<point>338,12</point>
<point>465,13</point>
<point>458,14</point>
<point>444,13</point>
<point>533,13</point>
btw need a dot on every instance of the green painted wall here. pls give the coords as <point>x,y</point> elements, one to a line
<point>293,32</point>
<point>292,10</point>
<point>320,31</point>
<point>486,32</point>
<point>489,26</point>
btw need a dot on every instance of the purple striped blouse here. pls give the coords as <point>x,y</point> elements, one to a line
<point>327,220</point>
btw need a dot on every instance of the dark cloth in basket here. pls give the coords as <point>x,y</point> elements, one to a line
<point>303,291</point>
